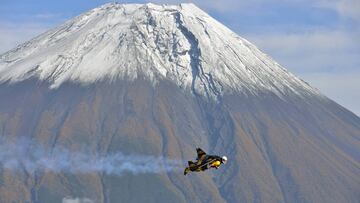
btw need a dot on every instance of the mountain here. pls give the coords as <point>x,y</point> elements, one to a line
<point>161,80</point>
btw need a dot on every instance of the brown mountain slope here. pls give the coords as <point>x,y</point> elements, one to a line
<point>293,150</point>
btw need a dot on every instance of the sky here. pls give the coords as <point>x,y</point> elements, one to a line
<point>317,40</point>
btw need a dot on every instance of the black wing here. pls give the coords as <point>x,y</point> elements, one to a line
<point>200,154</point>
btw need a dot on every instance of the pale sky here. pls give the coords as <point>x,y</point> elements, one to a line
<point>317,40</point>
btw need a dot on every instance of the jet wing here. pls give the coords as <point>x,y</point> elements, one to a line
<point>200,154</point>
<point>209,160</point>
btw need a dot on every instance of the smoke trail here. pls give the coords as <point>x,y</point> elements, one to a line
<point>19,156</point>
<point>76,200</point>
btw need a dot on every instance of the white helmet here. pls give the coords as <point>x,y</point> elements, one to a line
<point>224,158</point>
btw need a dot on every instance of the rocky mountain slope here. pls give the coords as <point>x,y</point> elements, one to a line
<point>161,80</point>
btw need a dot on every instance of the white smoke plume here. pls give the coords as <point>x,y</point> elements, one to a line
<point>76,200</point>
<point>24,155</point>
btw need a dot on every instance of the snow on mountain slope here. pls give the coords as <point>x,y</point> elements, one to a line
<point>181,43</point>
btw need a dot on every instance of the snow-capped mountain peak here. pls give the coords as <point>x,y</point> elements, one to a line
<point>180,43</point>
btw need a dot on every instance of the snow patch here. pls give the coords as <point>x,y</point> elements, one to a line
<point>180,43</point>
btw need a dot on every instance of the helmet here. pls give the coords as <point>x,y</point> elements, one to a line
<point>224,159</point>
